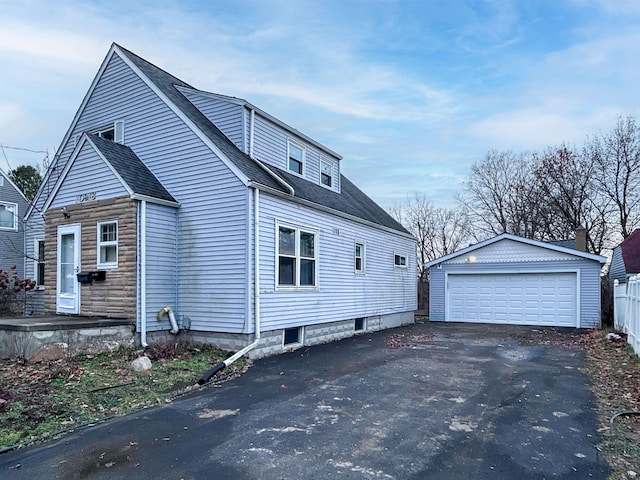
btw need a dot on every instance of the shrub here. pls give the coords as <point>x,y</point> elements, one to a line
<point>13,291</point>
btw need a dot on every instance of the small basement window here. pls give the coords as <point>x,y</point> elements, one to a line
<point>400,260</point>
<point>359,325</point>
<point>292,336</point>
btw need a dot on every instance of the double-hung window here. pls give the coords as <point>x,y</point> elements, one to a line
<point>326,173</point>
<point>297,257</point>
<point>359,257</point>
<point>108,244</point>
<point>296,158</point>
<point>8,216</point>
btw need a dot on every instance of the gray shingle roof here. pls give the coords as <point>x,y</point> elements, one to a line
<point>165,82</point>
<point>132,170</point>
<point>351,201</point>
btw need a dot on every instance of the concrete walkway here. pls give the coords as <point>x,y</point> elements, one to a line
<point>433,401</point>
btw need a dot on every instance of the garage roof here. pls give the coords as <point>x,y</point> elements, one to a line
<point>515,238</point>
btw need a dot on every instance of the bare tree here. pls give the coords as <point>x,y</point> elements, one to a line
<point>617,161</point>
<point>502,196</point>
<point>567,179</point>
<point>439,231</point>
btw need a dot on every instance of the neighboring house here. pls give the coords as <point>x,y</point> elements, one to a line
<point>625,260</point>
<point>206,204</point>
<point>13,206</point>
<point>514,280</point>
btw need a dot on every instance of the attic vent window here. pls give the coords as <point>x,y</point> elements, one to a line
<point>113,132</point>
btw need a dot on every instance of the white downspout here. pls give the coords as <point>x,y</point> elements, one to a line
<point>143,274</point>
<point>256,295</point>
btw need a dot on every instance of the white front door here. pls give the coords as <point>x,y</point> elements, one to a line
<point>68,291</point>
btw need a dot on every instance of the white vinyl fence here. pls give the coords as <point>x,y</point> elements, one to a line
<point>626,310</point>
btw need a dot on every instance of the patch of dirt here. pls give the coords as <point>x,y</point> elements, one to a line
<point>40,400</point>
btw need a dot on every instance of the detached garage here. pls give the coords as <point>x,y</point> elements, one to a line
<point>514,280</point>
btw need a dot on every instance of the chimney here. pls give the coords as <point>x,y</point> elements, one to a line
<point>581,239</point>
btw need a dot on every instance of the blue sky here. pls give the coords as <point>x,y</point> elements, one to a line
<point>410,93</point>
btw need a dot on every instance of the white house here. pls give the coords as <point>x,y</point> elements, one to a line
<point>170,202</point>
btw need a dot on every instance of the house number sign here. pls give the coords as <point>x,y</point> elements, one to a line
<point>86,197</point>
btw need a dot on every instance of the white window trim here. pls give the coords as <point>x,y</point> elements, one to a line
<point>330,163</point>
<point>404,255</point>
<point>36,256</point>
<point>316,250</point>
<point>293,345</point>
<point>363,250</point>
<point>100,243</point>
<point>14,228</point>
<point>303,160</point>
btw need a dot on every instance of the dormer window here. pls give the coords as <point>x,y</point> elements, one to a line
<point>326,173</point>
<point>296,158</point>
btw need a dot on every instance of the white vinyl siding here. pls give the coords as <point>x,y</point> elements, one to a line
<point>161,265</point>
<point>224,114</point>
<point>340,294</point>
<point>271,147</point>
<point>88,174</point>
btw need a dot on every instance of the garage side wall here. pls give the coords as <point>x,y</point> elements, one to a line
<point>588,283</point>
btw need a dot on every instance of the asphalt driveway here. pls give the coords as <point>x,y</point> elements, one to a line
<point>433,401</point>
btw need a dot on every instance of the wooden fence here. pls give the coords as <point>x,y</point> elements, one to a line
<point>626,310</point>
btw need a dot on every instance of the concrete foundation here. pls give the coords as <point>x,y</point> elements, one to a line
<point>272,342</point>
<point>28,336</point>
<point>25,337</point>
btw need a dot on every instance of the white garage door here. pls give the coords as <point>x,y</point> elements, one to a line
<point>524,299</point>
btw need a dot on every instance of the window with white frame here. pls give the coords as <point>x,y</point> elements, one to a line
<point>297,257</point>
<point>359,257</point>
<point>326,173</point>
<point>8,216</point>
<point>400,260</point>
<point>108,244</point>
<point>296,158</point>
<point>113,132</point>
<point>38,263</point>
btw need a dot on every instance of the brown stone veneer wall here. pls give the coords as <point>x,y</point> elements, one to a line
<point>116,296</point>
